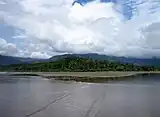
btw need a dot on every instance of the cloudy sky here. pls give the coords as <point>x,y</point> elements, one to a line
<point>43,28</point>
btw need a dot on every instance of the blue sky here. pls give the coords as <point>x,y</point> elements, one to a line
<point>127,8</point>
<point>6,32</point>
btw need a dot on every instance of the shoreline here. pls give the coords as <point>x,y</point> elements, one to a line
<point>84,76</point>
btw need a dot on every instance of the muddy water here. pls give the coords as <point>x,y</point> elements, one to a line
<point>36,97</point>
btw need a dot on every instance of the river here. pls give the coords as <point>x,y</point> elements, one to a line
<point>37,97</point>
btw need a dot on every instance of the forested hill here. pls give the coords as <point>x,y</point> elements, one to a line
<point>9,60</point>
<point>76,64</point>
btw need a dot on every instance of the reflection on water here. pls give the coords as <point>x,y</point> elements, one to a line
<point>36,97</point>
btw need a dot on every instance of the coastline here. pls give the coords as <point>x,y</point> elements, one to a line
<point>84,76</point>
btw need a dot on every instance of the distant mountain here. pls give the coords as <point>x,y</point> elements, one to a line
<point>76,64</point>
<point>94,56</point>
<point>7,60</point>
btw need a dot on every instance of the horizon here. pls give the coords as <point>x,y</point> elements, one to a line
<point>146,58</point>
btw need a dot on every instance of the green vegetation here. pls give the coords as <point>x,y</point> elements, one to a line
<point>76,64</point>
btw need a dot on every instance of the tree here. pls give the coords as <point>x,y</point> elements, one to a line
<point>77,64</point>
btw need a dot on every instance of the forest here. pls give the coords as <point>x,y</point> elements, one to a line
<point>76,64</point>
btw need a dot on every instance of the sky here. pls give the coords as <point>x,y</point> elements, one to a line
<point>44,28</point>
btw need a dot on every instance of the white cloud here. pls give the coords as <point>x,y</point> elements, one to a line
<point>19,36</point>
<point>57,27</point>
<point>7,48</point>
<point>1,2</point>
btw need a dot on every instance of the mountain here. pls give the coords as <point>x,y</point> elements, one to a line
<point>7,60</point>
<point>76,64</point>
<point>94,56</point>
<point>136,61</point>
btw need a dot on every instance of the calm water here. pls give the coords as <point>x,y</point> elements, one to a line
<point>36,97</point>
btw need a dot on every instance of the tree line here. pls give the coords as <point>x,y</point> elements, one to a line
<point>76,64</point>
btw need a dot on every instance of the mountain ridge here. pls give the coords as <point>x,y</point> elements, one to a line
<point>8,60</point>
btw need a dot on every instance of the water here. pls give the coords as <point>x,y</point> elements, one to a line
<point>37,97</point>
